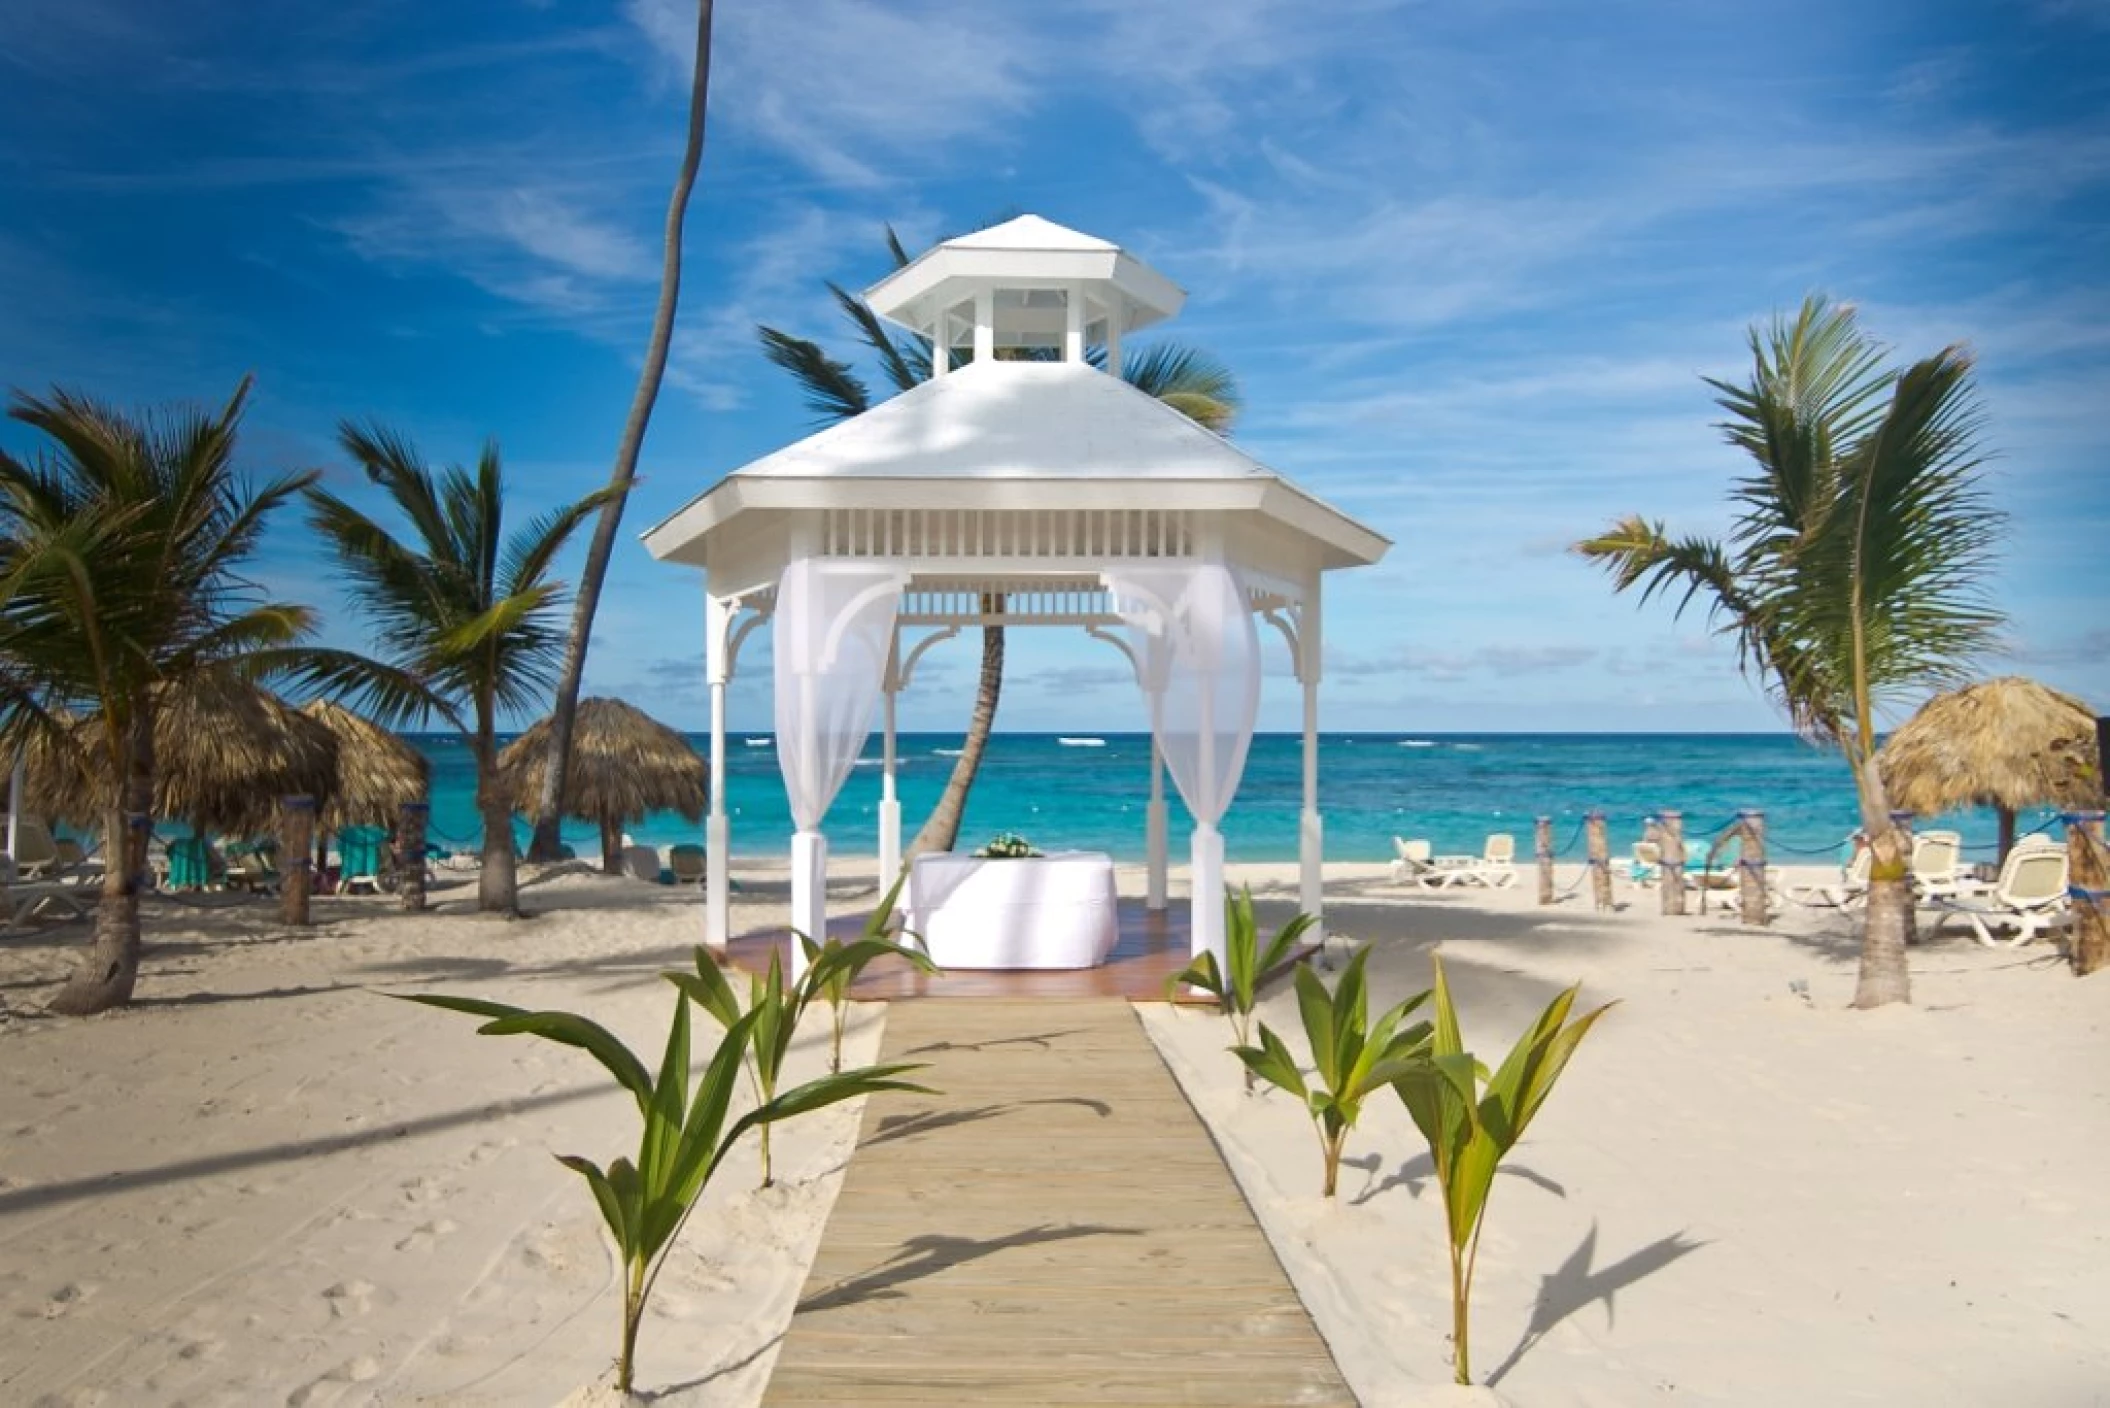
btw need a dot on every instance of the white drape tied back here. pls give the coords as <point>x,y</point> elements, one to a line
<point>1198,652</point>
<point>834,623</point>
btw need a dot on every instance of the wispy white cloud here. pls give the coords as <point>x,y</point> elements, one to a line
<point>857,93</point>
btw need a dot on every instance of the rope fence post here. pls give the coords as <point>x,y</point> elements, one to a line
<point>1751,867</point>
<point>296,832</point>
<point>1600,860</point>
<point>410,853</point>
<point>1543,839</point>
<point>2088,892</point>
<point>1670,863</point>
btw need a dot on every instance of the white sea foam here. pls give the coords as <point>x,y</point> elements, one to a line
<point>1082,742</point>
<point>759,742</point>
<point>1417,743</point>
<point>948,752</point>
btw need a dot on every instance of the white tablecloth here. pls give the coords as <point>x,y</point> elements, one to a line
<point>1054,911</point>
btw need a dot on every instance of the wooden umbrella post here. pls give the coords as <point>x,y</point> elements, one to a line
<point>1751,867</point>
<point>2088,892</point>
<point>1544,841</point>
<point>296,832</point>
<point>1600,861</point>
<point>410,854</point>
<point>1670,862</point>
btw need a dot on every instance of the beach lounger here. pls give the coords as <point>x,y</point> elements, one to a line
<point>1847,892</point>
<point>2029,897</point>
<point>21,900</point>
<point>1494,867</point>
<point>1411,861</point>
<point>1937,866</point>
<point>254,869</point>
<point>361,858</point>
<point>689,862</point>
<point>36,854</point>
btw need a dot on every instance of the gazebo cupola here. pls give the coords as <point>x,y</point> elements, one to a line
<point>1025,285</point>
<point>1030,489</point>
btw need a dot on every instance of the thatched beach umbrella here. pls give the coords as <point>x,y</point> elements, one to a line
<point>2007,744</point>
<point>225,752</point>
<point>624,764</point>
<point>377,771</point>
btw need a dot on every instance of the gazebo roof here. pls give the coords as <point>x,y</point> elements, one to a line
<point>1009,436</point>
<point>1020,255</point>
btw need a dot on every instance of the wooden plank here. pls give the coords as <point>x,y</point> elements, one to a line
<point>1054,1228</point>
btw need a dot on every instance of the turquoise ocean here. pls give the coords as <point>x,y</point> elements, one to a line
<point>1089,793</point>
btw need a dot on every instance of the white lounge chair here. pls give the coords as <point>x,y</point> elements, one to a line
<point>36,854</point>
<point>1849,891</point>
<point>23,899</point>
<point>1494,867</point>
<point>1937,865</point>
<point>2029,897</point>
<point>1411,861</point>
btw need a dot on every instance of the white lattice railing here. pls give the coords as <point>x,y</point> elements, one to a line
<point>1106,534</point>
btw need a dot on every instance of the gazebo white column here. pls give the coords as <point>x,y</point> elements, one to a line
<point>1154,827</point>
<point>718,831</point>
<point>1311,830</point>
<point>889,802</point>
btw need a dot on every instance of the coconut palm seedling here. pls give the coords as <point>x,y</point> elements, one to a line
<point>772,1013</point>
<point>766,1025</point>
<point>1471,1120</point>
<point>1354,1057</point>
<point>685,1135</point>
<point>831,967</point>
<point>1236,985</point>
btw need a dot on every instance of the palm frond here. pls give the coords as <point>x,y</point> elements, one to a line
<point>832,391</point>
<point>900,367</point>
<point>530,552</point>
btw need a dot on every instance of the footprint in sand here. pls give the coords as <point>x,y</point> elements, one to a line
<point>335,1384</point>
<point>66,1298</point>
<point>421,1190</point>
<point>201,1351</point>
<point>490,1149</point>
<point>349,1298</point>
<point>427,1236</point>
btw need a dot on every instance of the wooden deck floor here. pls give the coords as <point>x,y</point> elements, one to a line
<point>1055,1228</point>
<point>1153,946</point>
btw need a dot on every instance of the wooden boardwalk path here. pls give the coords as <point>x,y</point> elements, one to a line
<point>1055,1228</point>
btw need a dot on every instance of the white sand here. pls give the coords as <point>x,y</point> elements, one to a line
<point>1742,1192</point>
<point>265,1183</point>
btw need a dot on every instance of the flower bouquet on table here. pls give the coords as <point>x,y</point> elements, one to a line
<point>1006,845</point>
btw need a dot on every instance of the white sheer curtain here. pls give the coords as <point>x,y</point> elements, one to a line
<point>834,624</point>
<point>1199,653</point>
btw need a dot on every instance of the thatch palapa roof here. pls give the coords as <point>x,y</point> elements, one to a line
<point>2007,744</point>
<point>624,765</point>
<point>377,771</point>
<point>225,752</point>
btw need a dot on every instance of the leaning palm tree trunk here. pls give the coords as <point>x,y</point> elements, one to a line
<point>548,815</point>
<point>107,974</point>
<point>942,830</point>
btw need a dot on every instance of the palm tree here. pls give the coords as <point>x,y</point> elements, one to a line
<point>1190,381</point>
<point>122,557</point>
<point>1856,566</point>
<point>464,613</point>
<point>564,717</point>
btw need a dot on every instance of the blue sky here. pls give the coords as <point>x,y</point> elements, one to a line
<point>1469,262</point>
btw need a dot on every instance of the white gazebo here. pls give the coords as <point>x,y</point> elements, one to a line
<point>1014,493</point>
